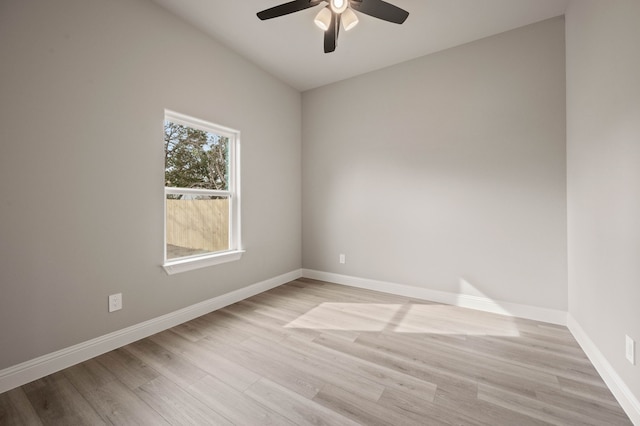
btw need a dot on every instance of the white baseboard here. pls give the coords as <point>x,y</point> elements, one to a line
<point>618,387</point>
<point>28,371</point>
<point>474,302</point>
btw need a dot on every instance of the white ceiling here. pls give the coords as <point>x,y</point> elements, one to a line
<point>291,47</point>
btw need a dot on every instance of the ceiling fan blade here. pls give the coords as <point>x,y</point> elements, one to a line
<point>287,8</point>
<point>381,10</point>
<point>331,34</point>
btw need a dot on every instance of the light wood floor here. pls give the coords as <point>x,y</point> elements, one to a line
<point>316,353</point>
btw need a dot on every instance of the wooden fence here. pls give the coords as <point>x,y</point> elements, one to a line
<point>198,224</point>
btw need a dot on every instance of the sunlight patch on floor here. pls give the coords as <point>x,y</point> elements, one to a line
<point>446,319</point>
<point>405,318</point>
<point>347,316</point>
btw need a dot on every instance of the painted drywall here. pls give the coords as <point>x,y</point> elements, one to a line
<point>603,176</point>
<point>83,88</point>
<point>446,172</point>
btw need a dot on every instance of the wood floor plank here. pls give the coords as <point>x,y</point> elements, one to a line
<point>193,330</point>
<point>553,364</point>
<point>176,405</point>
<point>218,329</point>
<point>88,375</point>
<point>469,410</point>
<point>277,371</point>
<point>118,405</point>
<point>129,369</point>
<point>58,402</point>
<point>416,408</point>
<point>501,373</point>
<point>598,393</point>
<point>404,364</point>
<point>171,365</point>
<point>234,405</point>
<point>311,352</point>
<point>596,411</point>
<point>476,345</point>
<point>205,356</point>
<point>16,410</point>
<point>387,377</point>
<point>295,407</point>
<point>360,410</point>
<point>267,326</point>
<point>318,369</point>
<point>253,325</point>
<point>538,409</point>
<point>563,345</point>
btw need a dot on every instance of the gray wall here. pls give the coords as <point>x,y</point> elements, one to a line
<point>83,87</point>
<point>603,153</point>
<point>446,172</point>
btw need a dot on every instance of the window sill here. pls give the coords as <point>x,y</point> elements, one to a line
<point>184,265</point>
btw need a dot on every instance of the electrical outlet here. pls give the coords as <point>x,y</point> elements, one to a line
<point>343,258</point>
<point>115,302</point>
<point>630,350</point>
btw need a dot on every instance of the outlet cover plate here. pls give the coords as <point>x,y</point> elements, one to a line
<point>630,351</point>
<point>115,302</point>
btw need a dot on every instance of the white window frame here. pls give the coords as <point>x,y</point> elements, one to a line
<point>235,251</point>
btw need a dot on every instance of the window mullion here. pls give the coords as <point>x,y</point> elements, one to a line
<point>197,191</point>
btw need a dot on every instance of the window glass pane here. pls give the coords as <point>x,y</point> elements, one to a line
<point>195,158</point>
<point>196,224</point>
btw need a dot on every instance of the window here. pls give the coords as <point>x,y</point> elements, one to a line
<point>202,193</point>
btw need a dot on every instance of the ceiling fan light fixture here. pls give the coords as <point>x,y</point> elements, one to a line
<point>338,6</point>
<point>323,19</point>
<point>349,19</point>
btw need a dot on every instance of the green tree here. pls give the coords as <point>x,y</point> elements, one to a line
<point>194,158</point>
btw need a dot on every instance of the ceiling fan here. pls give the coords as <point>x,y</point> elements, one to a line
<point>338,12</point>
